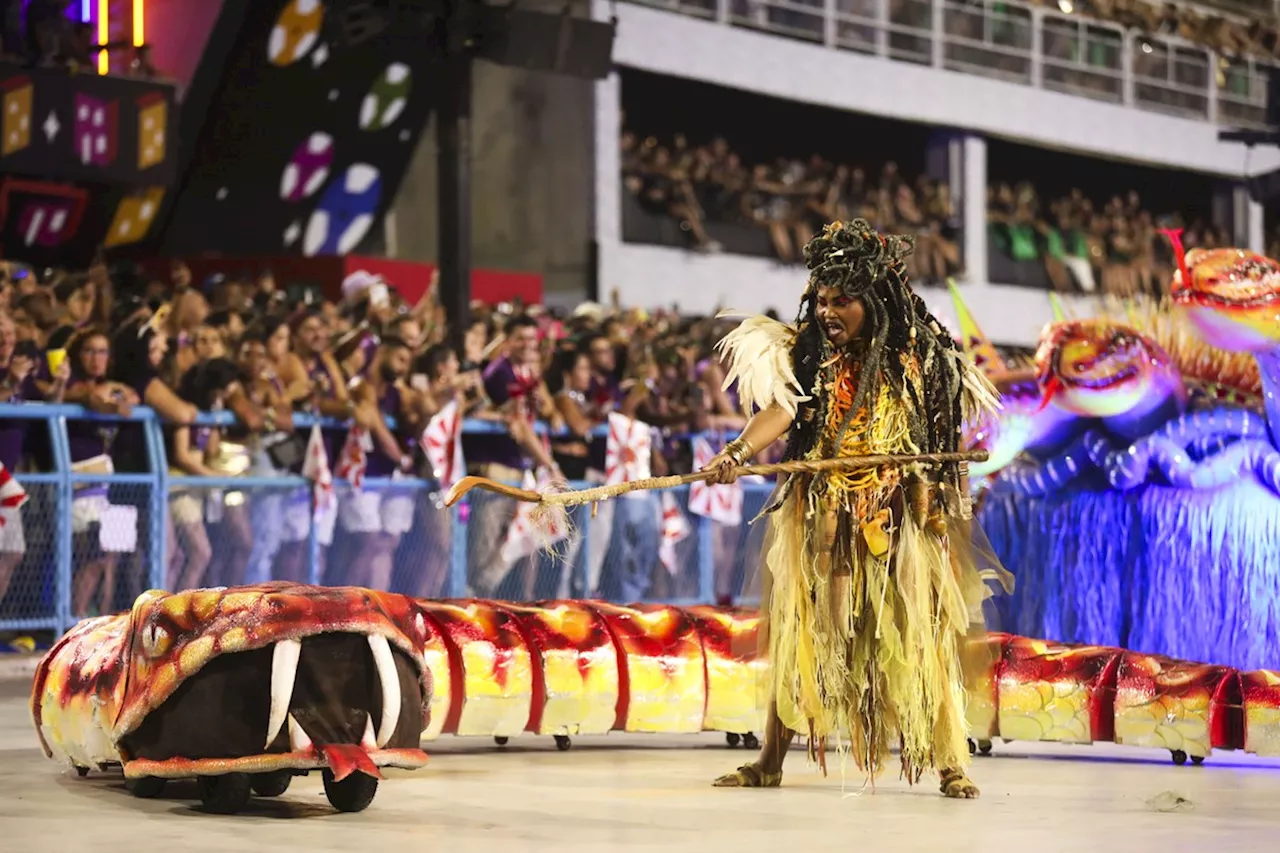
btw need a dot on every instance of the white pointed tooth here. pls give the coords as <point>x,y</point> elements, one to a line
<point>298,739</point>
<point>369,741</point>
<point>390,681</point>
<point>284,669</point>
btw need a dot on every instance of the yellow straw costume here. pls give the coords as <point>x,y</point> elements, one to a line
<point>871,590</point>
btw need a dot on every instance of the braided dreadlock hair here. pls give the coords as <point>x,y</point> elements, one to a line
<point>870,267</point>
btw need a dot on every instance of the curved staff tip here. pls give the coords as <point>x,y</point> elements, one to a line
<point>466,484</point>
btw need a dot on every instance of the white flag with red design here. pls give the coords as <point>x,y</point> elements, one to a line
<point>675,529</point>
<point>717,502</point>
<point>534,527</point>
<point>12,495</point>
<point>626,450</point>
<point>442,443</point>
<point>316,469</point>
<point>354,457</point>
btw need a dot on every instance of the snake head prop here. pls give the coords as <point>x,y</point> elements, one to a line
<point>1231,295</point>
<point>251,679</point>
<point>1100,369</point>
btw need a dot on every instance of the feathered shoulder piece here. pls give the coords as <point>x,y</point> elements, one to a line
<point>979,399</point>
<point>759,352</point>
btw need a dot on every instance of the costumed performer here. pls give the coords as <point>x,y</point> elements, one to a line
<point>872,594</point>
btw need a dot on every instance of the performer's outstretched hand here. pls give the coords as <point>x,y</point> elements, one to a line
<point>724,464</point>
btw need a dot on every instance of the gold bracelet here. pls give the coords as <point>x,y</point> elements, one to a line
<point>740,451</point>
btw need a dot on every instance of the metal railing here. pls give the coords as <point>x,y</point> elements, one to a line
<point>89,542</point>
<point>1019,43</point>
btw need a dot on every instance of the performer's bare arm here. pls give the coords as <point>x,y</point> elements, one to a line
<point>764,428</point>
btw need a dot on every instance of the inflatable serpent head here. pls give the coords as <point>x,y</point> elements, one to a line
<point>1232,296</point>
<point>1099,369</point>
<point>257,679</point>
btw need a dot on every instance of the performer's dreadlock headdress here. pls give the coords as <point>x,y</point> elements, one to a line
<point>870,266</point>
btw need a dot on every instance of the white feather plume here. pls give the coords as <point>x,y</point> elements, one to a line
<point>759,353</point>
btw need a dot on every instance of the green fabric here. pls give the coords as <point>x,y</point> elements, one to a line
<point>1024,243</point>
<point>1056,248</point>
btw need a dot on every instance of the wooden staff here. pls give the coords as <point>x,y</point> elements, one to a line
<point>601,493</point>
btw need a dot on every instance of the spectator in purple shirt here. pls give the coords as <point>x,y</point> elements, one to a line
<point>17,385</point>
<point>378,518</point>
<point>91,441</point>
<point>513,384</point>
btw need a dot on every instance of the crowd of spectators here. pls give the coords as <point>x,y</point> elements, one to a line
<point>44,33</point>
<point>1114,248</point>
<point>113,338</point>
<point>1231,35</point>
<point>790,198</point>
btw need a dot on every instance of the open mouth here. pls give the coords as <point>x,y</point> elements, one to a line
<point>833,329</point>
<point>1098,383</point>
<point>343,700</point>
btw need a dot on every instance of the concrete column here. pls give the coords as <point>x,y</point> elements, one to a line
<point>973,202</point>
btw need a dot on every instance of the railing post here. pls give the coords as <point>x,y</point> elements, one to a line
<point>458,551</point>
<point>722,11</point>
<point>939,31</point>
<point>829,31</point>
<point>1037,47</point>
<point>706,562</point>
<point>883,27</point>
<point>314,575</point>
<point>1126,68</point>
<point>1211,96</point>
<point>62,524</point>
<point>158,461</point>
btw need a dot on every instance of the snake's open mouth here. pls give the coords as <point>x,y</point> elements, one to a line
<point>345,701</point>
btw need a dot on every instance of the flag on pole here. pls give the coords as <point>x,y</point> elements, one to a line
<point>675,529</point>
<point>717,502</point>
<point>12,495</point>
<point>316,469</point>
<point>627,450</point>
<point>442,443</point>
<point>354,457</point>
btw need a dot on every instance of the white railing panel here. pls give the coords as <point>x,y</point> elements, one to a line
<point>1020,43</point>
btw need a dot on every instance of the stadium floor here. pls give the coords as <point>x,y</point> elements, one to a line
<point>632,793</point>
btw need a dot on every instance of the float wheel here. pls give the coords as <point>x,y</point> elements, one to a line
<point>563,743</point>
<point>271,784</point>
<point>82,771</point>
<point>225,794</point>
<point>973,747</point>
<point>984,747</point>
<point>352,794</point>
<point>501,741</point>
<point>732,739</point>
<point>1197,760</point>
<point>1179,757</point>
<point>750,741</point>
<point>145,788</point>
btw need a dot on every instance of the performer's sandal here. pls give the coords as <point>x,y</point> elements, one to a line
<point>957,785</point>
<point>749,776</point>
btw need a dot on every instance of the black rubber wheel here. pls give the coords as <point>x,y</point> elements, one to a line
<point>1197,760</point>
<point>984,747</point>
<point>750,741</point>
<point>352,794</point>
<point>1179,757</point>
<point>145,788</point>
<point>732,738</point>
<point>224,794</point>
<point>501,741</point>
<point>271,784</point>
<point>82,771</point>
<point>563,743</point>
<point>973,747</point>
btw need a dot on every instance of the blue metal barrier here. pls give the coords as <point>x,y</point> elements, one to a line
<point>394,528</point>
